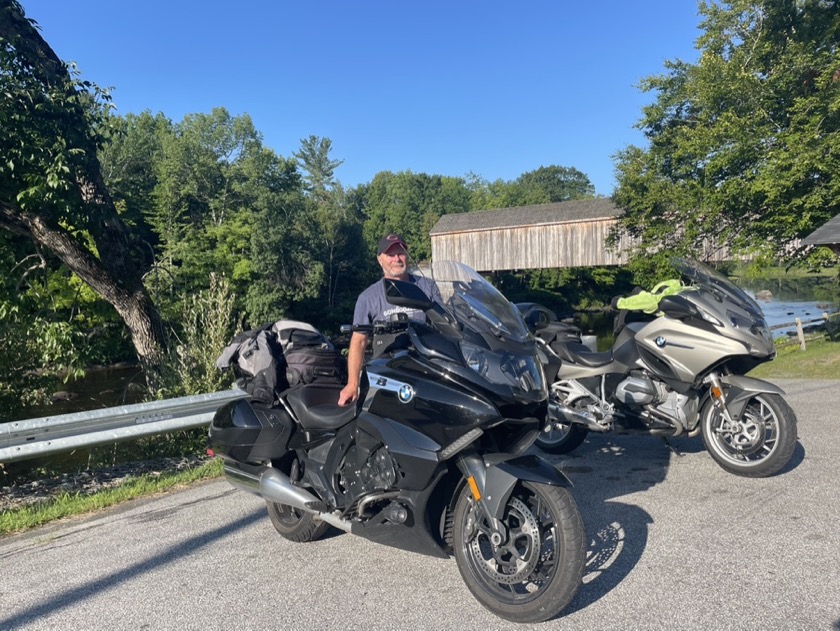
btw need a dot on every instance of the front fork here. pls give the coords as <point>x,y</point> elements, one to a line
<point>718,396</point>
<point>473,467</point>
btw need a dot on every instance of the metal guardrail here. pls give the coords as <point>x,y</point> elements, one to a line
<point>37,437</point>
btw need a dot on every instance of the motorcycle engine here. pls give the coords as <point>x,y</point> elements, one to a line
<point>364,471</point>
<point>677,407</point>
<point>660,401</point>
<point>636,391</point>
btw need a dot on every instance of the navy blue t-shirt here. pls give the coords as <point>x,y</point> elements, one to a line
<point>371,306</point>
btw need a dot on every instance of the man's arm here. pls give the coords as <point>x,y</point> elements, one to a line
<point>355,359</point>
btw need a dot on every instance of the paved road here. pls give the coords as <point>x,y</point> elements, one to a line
<point>676,543</point>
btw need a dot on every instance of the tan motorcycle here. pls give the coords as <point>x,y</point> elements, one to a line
<point>680,372</point>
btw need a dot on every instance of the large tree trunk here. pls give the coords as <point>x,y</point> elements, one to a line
<point>112,270</point>
<point>130,301</point>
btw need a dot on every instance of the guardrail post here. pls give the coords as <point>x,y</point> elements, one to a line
<point>800,334</point>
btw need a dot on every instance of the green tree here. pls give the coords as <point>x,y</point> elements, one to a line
<point>541,186</point>
<point>338,227</point>
<point>556,184</point>
<point>215,183</point>
<point>128,167</point>
<point>410,204</point>
<point>319,169</point>
<point>744,145</point>
<point>51,186</point>
<point>285,268</point>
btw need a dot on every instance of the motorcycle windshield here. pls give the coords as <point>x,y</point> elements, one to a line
<point>474,301</point>
<point>701,275</point>
<point>495,341</point>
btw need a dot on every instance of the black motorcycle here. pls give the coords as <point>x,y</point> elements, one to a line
<point>431,459</point>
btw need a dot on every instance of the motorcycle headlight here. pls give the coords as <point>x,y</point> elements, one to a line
<point>708,317</point>
<point>739,321</point>
<point>475,357</point>
<point>523,372</point>
<point>757,327</point>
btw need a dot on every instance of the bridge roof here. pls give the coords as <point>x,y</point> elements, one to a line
<point>827,234</point>
<point>578,210</point>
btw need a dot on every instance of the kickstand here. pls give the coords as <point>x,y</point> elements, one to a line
<point>673,449</point>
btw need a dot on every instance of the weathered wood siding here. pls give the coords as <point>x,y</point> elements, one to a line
<point>568,244</point>
<point>561,234</point>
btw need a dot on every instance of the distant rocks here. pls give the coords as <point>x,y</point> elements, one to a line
<point>765,294</point>
<point>63,395</point>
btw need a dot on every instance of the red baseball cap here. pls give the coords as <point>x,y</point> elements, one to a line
<point>388,241</point>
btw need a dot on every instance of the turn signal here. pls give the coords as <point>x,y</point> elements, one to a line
<point>474,488</point>
<point>716,393</point>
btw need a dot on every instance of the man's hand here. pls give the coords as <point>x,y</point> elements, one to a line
<point>348,394</point>
<point>355,357</point>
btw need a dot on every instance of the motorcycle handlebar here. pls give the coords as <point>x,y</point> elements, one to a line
<point>377,328</point>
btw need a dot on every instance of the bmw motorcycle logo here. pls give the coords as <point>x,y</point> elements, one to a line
<point>660,341</point>
<point>405,393</point>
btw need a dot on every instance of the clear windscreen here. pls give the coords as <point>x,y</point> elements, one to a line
<point>475,302</point>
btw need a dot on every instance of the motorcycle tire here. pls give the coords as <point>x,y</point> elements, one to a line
<point>533,575</point>
<point>759,443</point>
<point>562,438</point>
<point>294,524</point>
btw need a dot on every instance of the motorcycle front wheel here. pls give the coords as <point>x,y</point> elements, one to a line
<point>756,445</point>
<point>535,571</point>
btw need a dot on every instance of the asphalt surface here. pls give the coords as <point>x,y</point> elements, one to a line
<point>675,543</point>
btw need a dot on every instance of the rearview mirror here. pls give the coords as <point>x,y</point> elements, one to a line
<point>677,307</point>
<point>405,294</point>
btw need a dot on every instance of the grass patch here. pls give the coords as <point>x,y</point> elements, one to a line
<point>68,505</point>
<point>820,360</point>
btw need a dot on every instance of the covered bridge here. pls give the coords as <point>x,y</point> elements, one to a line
<point>562,234</point>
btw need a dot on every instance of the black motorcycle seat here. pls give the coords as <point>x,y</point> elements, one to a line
<point>581,355</point>
<point>316,406</point>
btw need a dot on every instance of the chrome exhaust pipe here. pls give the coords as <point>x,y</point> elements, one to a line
<point>272,485</point>
<point>275,486</point>
<point>563,414</point>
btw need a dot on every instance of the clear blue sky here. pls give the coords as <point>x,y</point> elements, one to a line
<point>444,87</point>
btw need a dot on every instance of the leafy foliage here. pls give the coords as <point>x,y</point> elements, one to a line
<point>541,186</point>
<point>744,145</point>
<point>206,326</point>
<point>51,187</point>
<point>410,204</point>
<point>35,353</point>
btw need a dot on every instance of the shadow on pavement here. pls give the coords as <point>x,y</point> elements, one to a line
<point>603,469</point>
<point>70,597</point>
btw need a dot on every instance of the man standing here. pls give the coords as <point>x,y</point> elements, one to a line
<point>371,306</point>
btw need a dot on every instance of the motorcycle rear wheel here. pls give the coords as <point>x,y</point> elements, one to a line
<point>294,524</point>
<point>561,438</point>
<point>758,444</point>
<point>534,575</point>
